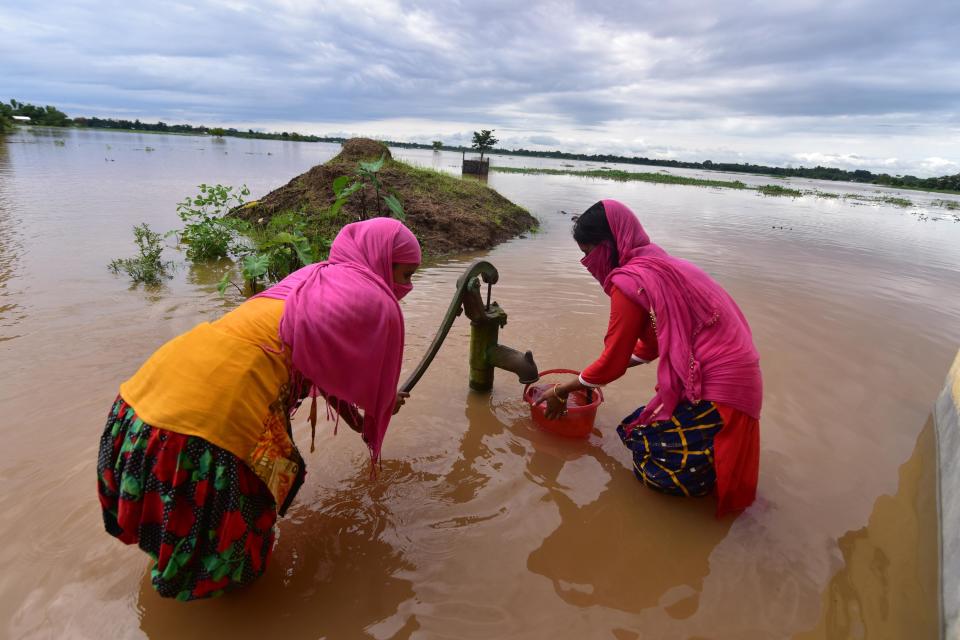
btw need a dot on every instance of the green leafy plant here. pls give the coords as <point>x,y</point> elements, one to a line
<point>365,174</point>
<point>253,268</point>
<point>273,251</point>
<point>483,141</point>
<point>207,233</point>
<point>437,145</point>
<point>147,267</point>
<point>286,240</point>
<point>286,252</point>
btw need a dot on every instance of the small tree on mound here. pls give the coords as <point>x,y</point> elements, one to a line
<point>366,173</point>
<point>483,141</point>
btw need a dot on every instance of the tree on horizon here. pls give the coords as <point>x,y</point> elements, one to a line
<point>483,141</point>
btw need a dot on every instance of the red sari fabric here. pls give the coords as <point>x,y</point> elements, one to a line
<point>736,450</point>
<point>199,511</point>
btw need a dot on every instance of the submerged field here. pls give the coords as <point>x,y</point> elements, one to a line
<point>479,525</point>
<point>663,177</point>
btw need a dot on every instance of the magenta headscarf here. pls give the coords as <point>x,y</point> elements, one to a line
<point>705,344</point>
<point>343,324</point>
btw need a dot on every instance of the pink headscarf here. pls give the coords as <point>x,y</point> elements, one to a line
<point>705,344</point>
<point>343,324</point>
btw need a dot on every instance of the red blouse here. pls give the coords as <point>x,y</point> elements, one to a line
<point>630,334</point>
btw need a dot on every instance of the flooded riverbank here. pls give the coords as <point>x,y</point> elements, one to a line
<point>480,525</point>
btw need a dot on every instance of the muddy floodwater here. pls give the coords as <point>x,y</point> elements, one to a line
<point>480,525</point>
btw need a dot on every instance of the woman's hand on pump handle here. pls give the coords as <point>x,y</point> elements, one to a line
<point>401,400</point>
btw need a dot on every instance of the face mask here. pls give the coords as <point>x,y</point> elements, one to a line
<point>400,290</point>
<point>598,263</point>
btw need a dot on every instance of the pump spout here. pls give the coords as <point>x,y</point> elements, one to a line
<point>522,364</point>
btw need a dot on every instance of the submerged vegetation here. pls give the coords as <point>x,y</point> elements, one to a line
<point>777,190</point>
<point>626,176</point>
<point>767,189</point>
<point>147,267</point>
<point>897,202</point>
<point>207,232</point>
<point>210,234</point>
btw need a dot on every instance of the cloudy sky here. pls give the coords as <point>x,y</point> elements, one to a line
<point>850,83</point>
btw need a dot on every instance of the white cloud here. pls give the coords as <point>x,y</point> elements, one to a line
<point>940,166</point>
<point>853,84</point>
<point>848,161</point>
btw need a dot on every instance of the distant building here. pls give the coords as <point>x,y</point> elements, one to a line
<point>22,118</point>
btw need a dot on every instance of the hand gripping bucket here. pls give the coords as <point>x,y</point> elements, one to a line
<point>581,409</point>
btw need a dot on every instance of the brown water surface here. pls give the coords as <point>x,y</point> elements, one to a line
<point>480,525</point>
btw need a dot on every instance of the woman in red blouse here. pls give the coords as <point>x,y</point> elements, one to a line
<point>700,432</point>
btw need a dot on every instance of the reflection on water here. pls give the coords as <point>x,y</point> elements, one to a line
<point>480,525</point>
<point>617,568</point>
<point>334,575</point>
<point>10,248</point>
<point>890,566</point>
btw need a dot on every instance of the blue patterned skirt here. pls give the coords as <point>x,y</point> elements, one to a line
<point>675,456</point>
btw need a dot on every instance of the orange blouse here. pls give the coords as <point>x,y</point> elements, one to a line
<point>224,382</point>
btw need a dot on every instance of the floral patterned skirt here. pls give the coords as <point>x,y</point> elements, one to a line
<point>204,517</point>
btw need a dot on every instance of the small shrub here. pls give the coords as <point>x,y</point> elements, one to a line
<point>147,267</point>
<point>206,232</point>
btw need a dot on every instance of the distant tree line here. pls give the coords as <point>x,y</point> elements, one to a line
<point>47,116</point>
<point>53,117</point>
<point>163,127</point>
<point>943,183</point>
